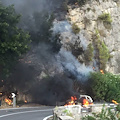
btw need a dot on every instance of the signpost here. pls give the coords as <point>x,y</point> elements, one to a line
<point>14,99</point>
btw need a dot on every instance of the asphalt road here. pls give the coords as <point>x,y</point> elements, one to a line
<point>31,113</point>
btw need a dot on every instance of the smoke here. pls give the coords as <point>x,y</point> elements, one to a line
<point>70,63</point>
<point>61,26</point>
<point>28,7</point>
<point>53,89</point>
<point>55,84</point>
<point>64,28</point>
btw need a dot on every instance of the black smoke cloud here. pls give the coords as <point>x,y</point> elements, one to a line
<point>26,77</point>
<point>55,86</point>
<point>52,90</point>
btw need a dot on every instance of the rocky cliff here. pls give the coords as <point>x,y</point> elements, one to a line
<point>97,25</point>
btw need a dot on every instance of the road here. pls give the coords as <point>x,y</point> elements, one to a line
<point>31,113</point>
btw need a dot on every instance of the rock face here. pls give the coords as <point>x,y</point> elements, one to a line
<point>86,18</point>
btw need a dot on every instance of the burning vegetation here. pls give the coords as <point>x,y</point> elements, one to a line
<point>72,101</point>
<point>115,102</point>
<point>8,101</point>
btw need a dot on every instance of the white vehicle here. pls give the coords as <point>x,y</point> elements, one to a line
<point>86,97</point>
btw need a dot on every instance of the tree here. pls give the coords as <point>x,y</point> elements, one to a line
<point>13,41</point>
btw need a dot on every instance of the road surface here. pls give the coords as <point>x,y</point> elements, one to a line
<point>31,113</point>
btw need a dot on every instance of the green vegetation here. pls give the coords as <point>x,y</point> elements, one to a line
<point>104,87</point>
<point>13,41</point>
<point>106,18</point>
<point>88,118</point>
<point>118,107</point>
<point>75,28</point>
<point>105,114</point>
<point>89,53</point>
<point>103,54</point>
<point>68,113</point>
<point>102,51</point>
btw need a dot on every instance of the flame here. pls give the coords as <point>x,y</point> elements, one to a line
<point>115,102</point>
<point>72,102</point>
<point>8,101</point>
<point>102,71</point>
<point>25,101</point>
<point>86,103</point>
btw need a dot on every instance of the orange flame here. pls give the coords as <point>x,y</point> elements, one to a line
<point>25,101</point>
<point>72,102</point>
<point>86,103</point>
<point>8,101</point>
<point>115,102</point>
<point>102,71</point>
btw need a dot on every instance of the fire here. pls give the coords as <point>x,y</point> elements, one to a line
<point>72,102</point>
<point>86,103</point>
<point>115,102</point>
<point>8,101</point>
<point>102,71</point>
<point>25,101</point>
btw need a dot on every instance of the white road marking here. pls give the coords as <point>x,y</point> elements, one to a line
<point>47,117</point>
<point>23,112</point>
<point>17,108</point>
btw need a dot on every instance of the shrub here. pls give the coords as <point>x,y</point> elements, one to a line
<point>106,18</point>
<point>89,53</point>
<point>75,28</point>
<point>104,86</point>
<point>102,50</point>
<point>103,55</point>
